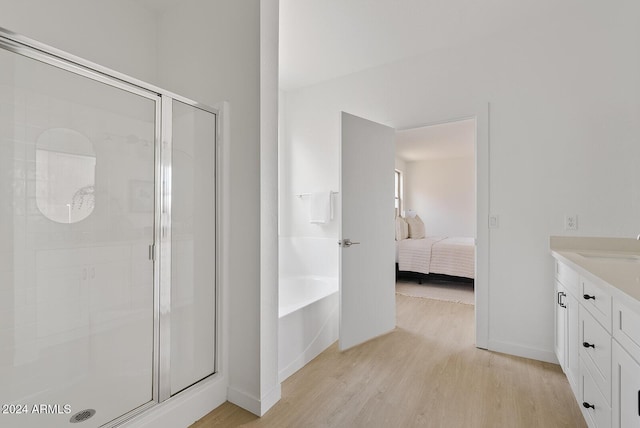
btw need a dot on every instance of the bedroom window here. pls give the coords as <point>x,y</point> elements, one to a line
<point>398,192</point>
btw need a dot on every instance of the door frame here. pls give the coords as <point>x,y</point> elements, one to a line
<point>481,114</point>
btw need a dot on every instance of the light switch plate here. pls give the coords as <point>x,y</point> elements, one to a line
<point>494,221</point>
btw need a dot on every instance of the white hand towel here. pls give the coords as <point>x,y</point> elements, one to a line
<point>320,207</point>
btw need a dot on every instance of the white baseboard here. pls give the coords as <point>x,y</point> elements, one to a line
<point>253,404</point>
<point>268,400</point>
<point>185,408</point>
<point>244,400</point>
<point>523,351</point>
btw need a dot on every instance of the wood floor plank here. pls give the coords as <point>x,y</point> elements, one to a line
<point>426,373</point>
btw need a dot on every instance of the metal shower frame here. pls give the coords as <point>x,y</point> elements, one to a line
<point>160,250</point>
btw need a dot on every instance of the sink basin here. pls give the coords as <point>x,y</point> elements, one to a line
<point>611,257</point>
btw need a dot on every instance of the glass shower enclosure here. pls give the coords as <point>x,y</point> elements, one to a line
<point>107,241</point>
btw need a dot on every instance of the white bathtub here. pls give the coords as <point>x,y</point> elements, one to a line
<point>308,309</point>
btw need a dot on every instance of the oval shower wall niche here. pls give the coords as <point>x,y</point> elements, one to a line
<point>65,175</point>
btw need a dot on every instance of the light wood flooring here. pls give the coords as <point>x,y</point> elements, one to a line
<point>426,373</point>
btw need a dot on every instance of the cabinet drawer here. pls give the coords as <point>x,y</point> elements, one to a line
<point>626,326</point>
<point>597,301</point>
<point>595,351</point>
<point>594,406</point>
<point>568,277</point>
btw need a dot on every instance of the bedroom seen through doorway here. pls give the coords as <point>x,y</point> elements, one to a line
<point>435,202</point>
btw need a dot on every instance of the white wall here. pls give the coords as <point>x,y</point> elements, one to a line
<point>564,126</point>
<point>309,154</point>
<point>442,193</point>
<point>118,34</point>
<point>230,68</point>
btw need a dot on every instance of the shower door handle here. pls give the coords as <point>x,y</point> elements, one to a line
<point>347,243</point>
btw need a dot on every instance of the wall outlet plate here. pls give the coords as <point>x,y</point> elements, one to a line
<point>571,222</point>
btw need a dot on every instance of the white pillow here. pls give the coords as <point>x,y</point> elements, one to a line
<point>416,227</point>
<point>402,229</point>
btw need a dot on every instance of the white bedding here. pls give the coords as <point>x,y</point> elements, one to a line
<point>415,254</point>
<point>442,255</point>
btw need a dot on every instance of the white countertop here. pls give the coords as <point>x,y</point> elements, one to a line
<point>622,274</point>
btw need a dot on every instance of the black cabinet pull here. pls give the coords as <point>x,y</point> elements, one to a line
<point>560,296</point>
<point>588,345</point>
<point>587,405</point>
<point>638,403</point>
<point>587,297</point>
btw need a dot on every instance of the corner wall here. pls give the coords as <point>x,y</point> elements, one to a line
<point>269,378</point>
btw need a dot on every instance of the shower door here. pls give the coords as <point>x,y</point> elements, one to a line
<point>77,227</point>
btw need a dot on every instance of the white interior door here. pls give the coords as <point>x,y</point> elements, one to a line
<point>367,272</point>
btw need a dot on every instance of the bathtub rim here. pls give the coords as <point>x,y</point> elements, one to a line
<point>289,309</point>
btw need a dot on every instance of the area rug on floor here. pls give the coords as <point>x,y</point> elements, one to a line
<point>441,290</point>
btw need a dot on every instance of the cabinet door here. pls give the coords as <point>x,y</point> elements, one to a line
<point>561,324</point>
<point>626,389</point>
<point>572,358</point>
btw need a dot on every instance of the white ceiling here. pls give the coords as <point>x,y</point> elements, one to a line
<point>324,39</point>
<point>442,141</point>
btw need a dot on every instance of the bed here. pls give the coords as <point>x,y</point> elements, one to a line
<point>436,256</point>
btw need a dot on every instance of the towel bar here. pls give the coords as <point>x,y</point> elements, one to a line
<point>300,195</point>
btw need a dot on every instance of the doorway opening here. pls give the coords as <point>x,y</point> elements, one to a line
<point>436,228</point>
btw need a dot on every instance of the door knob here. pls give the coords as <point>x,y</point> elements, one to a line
<point>347,243</point>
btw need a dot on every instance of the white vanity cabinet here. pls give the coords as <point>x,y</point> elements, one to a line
<point>595,370</point>
<point>598,345</point>
<point>567,323</point>
<point>583,342</point>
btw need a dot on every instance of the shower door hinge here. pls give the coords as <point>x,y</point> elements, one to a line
<point>152,252</point>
